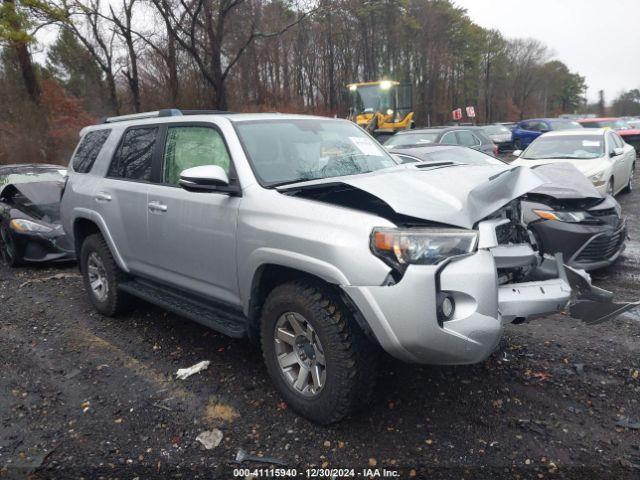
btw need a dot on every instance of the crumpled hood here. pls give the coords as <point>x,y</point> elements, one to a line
<point>457,195</point>
<point>565,181</point>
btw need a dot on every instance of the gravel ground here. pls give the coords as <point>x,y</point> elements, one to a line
<point>86,396</point>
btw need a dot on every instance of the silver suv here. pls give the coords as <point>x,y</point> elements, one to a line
<point>304,234</point>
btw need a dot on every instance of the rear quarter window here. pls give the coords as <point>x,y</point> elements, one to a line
<point>88,150</point>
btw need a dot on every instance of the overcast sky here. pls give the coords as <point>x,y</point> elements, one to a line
<point>598,39</point>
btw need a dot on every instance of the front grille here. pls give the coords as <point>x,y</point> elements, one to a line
<point>602,247</point>
<point>603,213</point>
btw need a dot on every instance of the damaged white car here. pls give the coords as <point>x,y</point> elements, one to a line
<point>305,234</point>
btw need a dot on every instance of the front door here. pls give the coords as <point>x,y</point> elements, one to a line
<point>192,235</point>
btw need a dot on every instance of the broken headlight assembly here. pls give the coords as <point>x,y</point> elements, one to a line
<point>568,217</point>
<point>399,248</point>
<point>27,226</point>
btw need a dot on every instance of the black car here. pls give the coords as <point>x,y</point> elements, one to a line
<point>30,229</point>
<point>472,137</point>
<point>566,215</point>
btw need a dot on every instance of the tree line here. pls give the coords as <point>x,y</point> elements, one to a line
<point>123,56</point>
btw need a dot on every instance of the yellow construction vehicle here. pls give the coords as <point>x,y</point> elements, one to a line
<point>382,107</point>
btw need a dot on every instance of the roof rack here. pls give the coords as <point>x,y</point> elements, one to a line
<point>167,112</point>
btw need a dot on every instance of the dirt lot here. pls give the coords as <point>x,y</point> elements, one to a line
<point>86,396</point>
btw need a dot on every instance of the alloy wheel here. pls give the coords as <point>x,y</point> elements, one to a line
<point>300,354</point>
<point>97,277</point>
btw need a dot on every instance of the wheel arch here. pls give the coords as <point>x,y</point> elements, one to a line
<point>269,275</point>
<point>89,223</point>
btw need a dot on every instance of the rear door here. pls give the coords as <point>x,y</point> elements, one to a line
<point>193,234</point>
<point>121,198</point>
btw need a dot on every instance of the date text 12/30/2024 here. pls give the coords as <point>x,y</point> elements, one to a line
<point>315,473</point>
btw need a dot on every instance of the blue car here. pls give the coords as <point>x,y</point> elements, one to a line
<point>527,131</point>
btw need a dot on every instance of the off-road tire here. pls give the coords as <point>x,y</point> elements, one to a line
<point>351,358</point>
<point>117,301</point>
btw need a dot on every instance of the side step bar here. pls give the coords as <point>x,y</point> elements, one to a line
<point>221,318</point>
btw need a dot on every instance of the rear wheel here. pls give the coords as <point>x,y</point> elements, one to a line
<point>102,277</point>
<point>318,358</point>
<point>8,249</point>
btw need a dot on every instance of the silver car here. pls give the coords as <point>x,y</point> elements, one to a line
<point>304,234</point>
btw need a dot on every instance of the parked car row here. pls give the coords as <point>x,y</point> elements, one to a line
<point>307,236</point>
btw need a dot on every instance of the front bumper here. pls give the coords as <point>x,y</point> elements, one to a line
<point>404,320</point>
<point>43,247</point>
<point>584,246</point>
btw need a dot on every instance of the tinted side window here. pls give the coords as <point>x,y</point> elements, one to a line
<point>133,159</point>
<point>88,150</point>
<point>188,147</point>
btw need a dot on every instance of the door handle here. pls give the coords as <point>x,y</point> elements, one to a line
<point>157,207</point>
<point>103,197</point>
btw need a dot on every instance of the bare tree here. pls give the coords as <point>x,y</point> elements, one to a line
<point>200,28</point>
<point>86,20</point>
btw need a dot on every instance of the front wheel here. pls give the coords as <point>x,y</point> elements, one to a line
<point>318,358</point>
<point>629,187</point>
<point>8,249</point>
<point>610,187</point>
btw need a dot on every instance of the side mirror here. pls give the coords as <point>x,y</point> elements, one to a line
<point>617,152</point>
<point>517,153</point>
<point>206,178</point>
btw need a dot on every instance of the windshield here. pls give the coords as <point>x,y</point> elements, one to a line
<point>289,151</point>
<point>495,130</point>
<point>412,139</point>
<point>577,147</point>
<point>373,98</point>
<point>457,155</point>
<point>33,175</point>
<point>560,125</point>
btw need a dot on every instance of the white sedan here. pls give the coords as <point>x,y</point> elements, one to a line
<point>600,154</point>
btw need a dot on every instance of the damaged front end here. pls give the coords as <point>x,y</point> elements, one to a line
<point>533,284</point>
<point>462,263</point>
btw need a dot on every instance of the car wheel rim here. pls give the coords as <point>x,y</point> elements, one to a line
<point>97,277</point>
<point>299,354</point>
